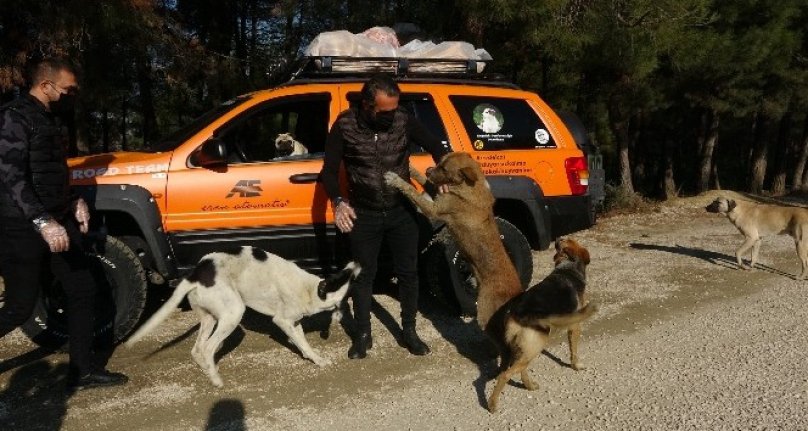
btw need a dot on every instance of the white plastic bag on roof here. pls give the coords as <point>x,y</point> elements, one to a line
<point>383,35</point>
<point>382,42</point>
<point>346,44</point>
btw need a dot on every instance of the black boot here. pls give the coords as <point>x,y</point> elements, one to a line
<point>413,342</point>
<point>360,345</point>
<point>96,379</point>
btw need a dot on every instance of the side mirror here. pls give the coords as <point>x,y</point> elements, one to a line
<point>212,153</point>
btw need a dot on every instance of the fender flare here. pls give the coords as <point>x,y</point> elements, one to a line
<point>525,190</point>
<point>137,202</point>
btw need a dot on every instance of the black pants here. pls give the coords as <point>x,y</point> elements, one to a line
<point>24,259</point>
<point>399,227</point>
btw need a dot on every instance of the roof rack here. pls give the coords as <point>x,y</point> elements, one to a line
<point>339,66</point>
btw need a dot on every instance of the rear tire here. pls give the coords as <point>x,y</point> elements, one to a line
<point>119,307</point>
<point>449,276</point>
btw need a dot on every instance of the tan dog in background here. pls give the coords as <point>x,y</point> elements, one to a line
<point>467,210</point>
<point>756,220</point>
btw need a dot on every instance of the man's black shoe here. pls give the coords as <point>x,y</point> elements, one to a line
<point>96,379</point>
<point>413,342</point>
<point>360,346</point>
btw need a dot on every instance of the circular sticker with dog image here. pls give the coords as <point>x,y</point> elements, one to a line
<point>488,118</point>
<point>542,137</point>
<point>479,145</point>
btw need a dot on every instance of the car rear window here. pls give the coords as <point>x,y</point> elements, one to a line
<point>498,123</point>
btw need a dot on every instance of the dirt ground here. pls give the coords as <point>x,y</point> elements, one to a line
<point>683,340</point>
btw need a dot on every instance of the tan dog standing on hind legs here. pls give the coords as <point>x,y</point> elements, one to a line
<point>756,220</point>
<point>467,209</point>
<point>223,284</point>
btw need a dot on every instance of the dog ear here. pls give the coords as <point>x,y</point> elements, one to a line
<point>584,253</point>
<point>321,291</point>
<point>731,205</point>
<point>469,175</point>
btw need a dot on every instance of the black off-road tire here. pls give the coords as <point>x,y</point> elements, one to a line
<point>118,306</point>
<point>449,277</point>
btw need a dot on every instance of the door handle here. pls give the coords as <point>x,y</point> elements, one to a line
<point>305,178</point>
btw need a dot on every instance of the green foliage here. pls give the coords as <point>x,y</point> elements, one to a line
<point>642,74</point>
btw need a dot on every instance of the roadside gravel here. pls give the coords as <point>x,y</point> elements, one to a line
<point>683,341</point>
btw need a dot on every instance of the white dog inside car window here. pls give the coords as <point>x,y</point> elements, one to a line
<point>489,122</point>
<point>286,145</point>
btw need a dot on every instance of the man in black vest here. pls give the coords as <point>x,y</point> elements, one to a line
<point>40,223</point>
<point>371,140</point>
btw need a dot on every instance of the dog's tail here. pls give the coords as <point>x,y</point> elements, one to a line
<point>161,314</point>
<point>564,320</point>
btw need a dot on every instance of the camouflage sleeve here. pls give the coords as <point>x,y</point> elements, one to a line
<point>14,135</point>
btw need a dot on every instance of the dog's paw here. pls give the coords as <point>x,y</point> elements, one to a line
<point>217,381</point>
<point>321,362</point>
<point>392,179</point>
<point>578,366</point>
<point>493,405</point>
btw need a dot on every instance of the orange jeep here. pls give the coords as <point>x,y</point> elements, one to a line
<point>219,182</point>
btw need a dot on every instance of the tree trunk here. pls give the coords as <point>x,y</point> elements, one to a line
<point>668,183</point>
<point>619,125</point>
<point>639,154</point>
<point>105,131</point>
<point>124,114</point>
<point>799,168</point>
<point>760,149</point>
<point>716,183</point>
<point>149,117</point>
<point>710,135</point>
<point>783,148</point>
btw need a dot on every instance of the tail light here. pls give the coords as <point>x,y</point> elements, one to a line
<point>577,174</point>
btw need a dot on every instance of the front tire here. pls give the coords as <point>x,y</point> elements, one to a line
<point>118,307</point>
<point>450,278</point>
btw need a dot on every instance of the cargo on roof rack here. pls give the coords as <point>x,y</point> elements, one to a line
<point>330,66</point>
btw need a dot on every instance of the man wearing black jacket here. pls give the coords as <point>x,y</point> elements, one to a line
<point>370,140</point>
<point>40,223</point>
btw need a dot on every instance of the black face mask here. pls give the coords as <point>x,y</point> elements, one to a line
<point>384,120</point>
<point>65,106</point>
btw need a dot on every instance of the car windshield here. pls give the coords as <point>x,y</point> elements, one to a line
<point>173,140</point>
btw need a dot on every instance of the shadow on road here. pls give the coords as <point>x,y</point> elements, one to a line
<point>226,415</point>
<point>713,257</point>
<point>35,398</point>
<point>469,340</point>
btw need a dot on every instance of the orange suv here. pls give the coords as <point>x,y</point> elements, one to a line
<point>219,183</point>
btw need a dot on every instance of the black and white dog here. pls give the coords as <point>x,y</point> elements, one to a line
<point>287,145</point>
<point>223,284</point>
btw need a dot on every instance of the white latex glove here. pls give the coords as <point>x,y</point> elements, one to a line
<point>56,236</point>
<point>82,214</point>
<point>344,216</point>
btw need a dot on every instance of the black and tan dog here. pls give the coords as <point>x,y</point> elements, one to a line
<point>521,327</point>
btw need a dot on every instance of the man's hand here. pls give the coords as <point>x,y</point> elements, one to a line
<point>82,214</point>
<point>344,216</point>
<point>56,236</point>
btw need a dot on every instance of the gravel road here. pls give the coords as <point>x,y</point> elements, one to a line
<point>683,341</point>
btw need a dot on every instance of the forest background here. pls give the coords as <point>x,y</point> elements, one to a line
<point>680,96</point>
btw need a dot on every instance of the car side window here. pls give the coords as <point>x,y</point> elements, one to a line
<point>498,123</point>
<point>280,129</point>
<point>422,108</point>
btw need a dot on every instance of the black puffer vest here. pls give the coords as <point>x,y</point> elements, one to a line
<point>47,159</point>
<point>369,154</point>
